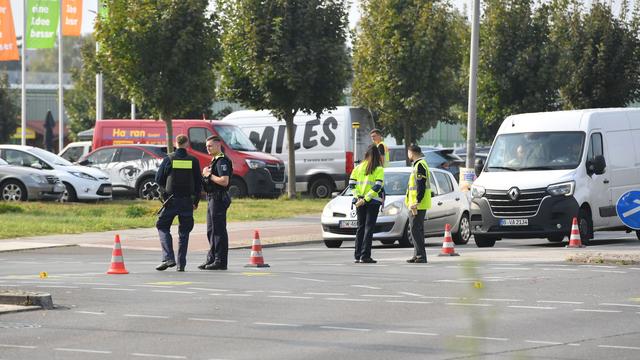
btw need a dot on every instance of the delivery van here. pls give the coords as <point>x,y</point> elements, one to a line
<point>254,173</point>
<point>323,145</point>
<point>544,169</point>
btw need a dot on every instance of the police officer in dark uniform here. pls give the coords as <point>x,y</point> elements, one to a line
<point>179,175</point>
<point>216,179</point>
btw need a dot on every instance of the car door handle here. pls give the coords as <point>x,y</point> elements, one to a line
<point>439,202</point>
<point>457,199</point>
<point>606,181</point>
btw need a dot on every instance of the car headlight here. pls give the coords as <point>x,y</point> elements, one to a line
<point>39,179</point>
<point>255,164</point>
<point>392,209</point>
<point>565,189</point>
<point>477,191</point>
<point>327,211</point>
<point>82,175</point>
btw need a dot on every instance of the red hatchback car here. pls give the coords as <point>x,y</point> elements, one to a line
<point>132,168</point>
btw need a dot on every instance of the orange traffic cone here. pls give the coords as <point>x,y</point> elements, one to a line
<point>256,259</point>
<point>117,261</point>
<point>447,244</point>
<point>574,239</point>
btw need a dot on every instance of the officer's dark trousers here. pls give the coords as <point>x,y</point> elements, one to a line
<point>217,229</point>
<point>182,207</point>
<point>416,231</point>
<point>367,216</point>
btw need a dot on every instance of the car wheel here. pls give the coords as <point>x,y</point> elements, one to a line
<point>13,190</point>
<point>484,241</point>
<point>149,189</point>
<point>406,240</point>
<point>237,188</point>
<point>464,231</point>
<point>555,238</point>
<point>333,243</point>
<point>321,188</point>
<point>69,194</point>
<point>585,224</point>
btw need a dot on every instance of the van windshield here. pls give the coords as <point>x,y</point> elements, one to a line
<point>536,151</point>
<point>235,138</point>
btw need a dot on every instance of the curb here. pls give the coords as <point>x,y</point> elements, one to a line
<point>599,258</point>
<point>53,246</point>
<point>26,298</point>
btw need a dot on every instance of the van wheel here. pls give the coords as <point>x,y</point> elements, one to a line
<point>406,240</point>
<point>69,194</point>
<point>464,231</point>
<point>484,241</point>
<point>333,243</point>
<point>321,188</point>
<point>237,188</point>
<point>13,190</point>
<point>149,189</point>
<point>585,224</point>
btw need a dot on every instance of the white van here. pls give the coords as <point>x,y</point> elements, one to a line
<point>546,168</point>
<point>324,145</point>
<point>75,150</point>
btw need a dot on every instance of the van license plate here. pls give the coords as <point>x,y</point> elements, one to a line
<point>514,222</point>
<point>279,186</point>
<point>348,224</point>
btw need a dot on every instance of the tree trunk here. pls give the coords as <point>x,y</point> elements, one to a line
<point>407,138</point>
<point>291,165</point>
<point>169,126</point>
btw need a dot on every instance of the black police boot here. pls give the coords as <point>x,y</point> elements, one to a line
<point>165,265</point>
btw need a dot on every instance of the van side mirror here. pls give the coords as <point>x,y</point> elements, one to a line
<point>597,165</point>
<point>478,166</point>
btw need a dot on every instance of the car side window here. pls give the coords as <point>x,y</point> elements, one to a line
<point>432,184</point>
<point>595,146</point>
<point>101,156</point>
<point>198,139</point>
<point>20,158</point>
<point>129,154</point>
<point>73,154</point>
<point>444,183</point>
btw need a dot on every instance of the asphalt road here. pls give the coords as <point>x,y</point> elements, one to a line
<point>314,303</point>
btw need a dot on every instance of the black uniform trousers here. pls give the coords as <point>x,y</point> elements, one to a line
<point>367,215</point>
<point>217,228</point>
<point>182,207</point>
<point>416,231</point>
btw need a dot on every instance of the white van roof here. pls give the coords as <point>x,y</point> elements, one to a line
<point>247,114</point>
<point>571,120</point>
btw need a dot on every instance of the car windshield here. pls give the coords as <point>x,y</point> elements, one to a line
<point>235,138</point>
<point>395,183</point>
<point>49,157</point>
<point>536,151</point>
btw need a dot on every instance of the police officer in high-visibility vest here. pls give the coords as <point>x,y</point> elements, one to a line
<point>418,200</point>
<point>179,176</point>
<point>216,179</point>
<point>376,138</point>
<point>367,182</point>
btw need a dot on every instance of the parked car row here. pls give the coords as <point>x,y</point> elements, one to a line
<point>436,158</point>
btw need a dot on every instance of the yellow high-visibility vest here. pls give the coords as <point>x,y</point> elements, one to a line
<point>412,189</point>
<point>364,183</point>
<point>386,154</point>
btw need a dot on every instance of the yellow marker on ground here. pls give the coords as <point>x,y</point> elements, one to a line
<point>478,284</point>
<point>43,275</point>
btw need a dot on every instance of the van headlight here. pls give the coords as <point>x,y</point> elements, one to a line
<point>392,209</point>
<point>255,164</point>
<point>477,191</point>
<point>565,189</point>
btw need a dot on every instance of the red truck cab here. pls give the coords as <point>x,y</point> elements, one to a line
<point>254,173</point>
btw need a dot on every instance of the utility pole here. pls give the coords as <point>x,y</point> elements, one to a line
<point>473,86</point>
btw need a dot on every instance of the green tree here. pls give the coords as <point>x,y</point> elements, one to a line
<point>287,56</point>
<point>408,59</point>
<point>8,111</point>
<point>163,53</point>
<point>518,65</point>
<point>46,60</point>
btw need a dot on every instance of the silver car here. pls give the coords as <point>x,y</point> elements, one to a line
<point>448,206</point>
<point>21,184</point>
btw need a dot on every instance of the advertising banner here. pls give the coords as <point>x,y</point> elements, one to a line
<point>8,46</point>
<point>71,17</point>
<point>42,23</point>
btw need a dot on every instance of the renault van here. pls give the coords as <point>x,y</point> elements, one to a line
<point>323,145</point>
<point>544,169</point>
<point>254,172</point>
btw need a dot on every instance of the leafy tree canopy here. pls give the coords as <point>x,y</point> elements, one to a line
<point>8,111</point>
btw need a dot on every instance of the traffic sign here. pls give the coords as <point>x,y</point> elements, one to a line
<point>628,209</point>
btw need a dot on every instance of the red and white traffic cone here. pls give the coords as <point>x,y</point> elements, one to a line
<point>256,260</point>
<point>447,244</point>
<point>574,239</point>
<point>117,260</point>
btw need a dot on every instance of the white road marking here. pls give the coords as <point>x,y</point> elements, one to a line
<point>325,294</point>
<point>90,312</point>
<point>307,279</point>
<point>276,324</point>
<point>559,269</point>
<point>481,338</point>
<point>97,284</point>
<point>114,289</point>
<point>241,295</point>
<point>83,351</point>
<point>443,297</point>
<point>610,271</point>
<point>469,304</point>
<point>213,320</point>
<point>505,300</point>
<point>159,356</point>
<point>573,344</point>
<point>411,333</point>
<point>174,291</point>
<point>343,328</point>
<point>254,291</point>
<point>58,286</point>
<point>628,305</point>
<point>18,346</point>
<point>347,299</point>
<point>382,296</point>
<point>409,294</point>
<point>560,302</point>
<point>619,347</point>
<point>408,302</point>
<point>366,287</point>
<point>146,316</point>
<point>598,311</point>
<point>290,297</point>
<point>155,286</point>
<point>207,289</point>
<point>280,292</point>
<point>532,307</point>
<point>557,265</point>
<point>510,268</point>
<point>543,342</point>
